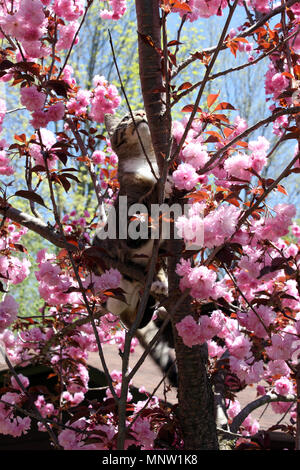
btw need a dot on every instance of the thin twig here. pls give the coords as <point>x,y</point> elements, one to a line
<point>36,410</point>
<point>204,81</point>
<point>268,398</point>
<point>263,122</point>
<point>84,152</point>
<point>78,278</point>
<point>89,4</point>
<point>247,32</point>
<point>129,107</point>
<point>234,69</point>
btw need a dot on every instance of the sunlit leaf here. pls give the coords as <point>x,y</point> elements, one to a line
<point>211,99</point>
<point>224,105</point>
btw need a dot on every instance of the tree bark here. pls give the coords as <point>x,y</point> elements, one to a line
<point>150,66</point>
<point>195,396</point>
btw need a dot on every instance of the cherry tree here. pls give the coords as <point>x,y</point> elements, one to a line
<point>233,301</point>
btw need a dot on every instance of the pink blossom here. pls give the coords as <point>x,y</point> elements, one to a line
<point>233,409</point>
<point>237,166</point>
<point>189,331</point>
<point>239,347</point>
<point>110,279</point>
<point>116,377</point>
<point>2,111</point>
<point>9,423</point>
<point>278,226</point>
<point>183,268</point>
<point>255,373</point>
<point>296,9</point>
<point>98,157</point>
<point>73,400</point>
<point>72,440</point>
<point>177,130</point>
<point>280,407</point>
<point>67,75</point>
<point>259,145</point>
<point>105,99</point>
<point>67,35</point>
<point>283,386</point>
<point>8,311</point>
<point>191,229</point>
<point>70,10</point>
<point>78,382</point>
<point>259,149</point>
<point>118,10</point>
<point>54,283</point>
<point>79,104</point>
<point>185,177</point>
<point>195,154</point>
<point>24,380</point>
<point>39,119</point>
<point>278,367</point>
<point>239,367</point>
<point>280,124</point>
<point>143,433</point>
<point>211,326</point>
<point>275,82</point>
<point>32,12</point>
<point>201,281</point>
<point>240,126</point>
<point>295,228</point>
<point>261,390</point>
<point>251,426</point>
<point>260,5</point>
<point>28,26</point>
<point>56,111</point>
<point>204,9</point>
<point>220,224</point>
<point>32,99</point>
<point>45,409</point>
<point>35,49</point>
<point>14,269</point>
<point>48,139</point>
<point>259,321</point>
<point>281,347</point>
<point>5,164</point>
<point>214,350</point>
<point>119,339</point>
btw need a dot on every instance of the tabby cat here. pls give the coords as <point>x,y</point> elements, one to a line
<point>137,176</point>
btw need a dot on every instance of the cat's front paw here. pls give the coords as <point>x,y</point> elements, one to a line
<point>169,186</point>
<point>159,288</point>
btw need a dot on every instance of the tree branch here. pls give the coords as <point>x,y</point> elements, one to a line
<point>268,398</point>
<point>244,34</point>
<point>234,69</point>
<point>263,122</point>
<point>36,225</point>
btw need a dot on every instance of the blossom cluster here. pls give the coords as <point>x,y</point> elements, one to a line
<point>116,11</point>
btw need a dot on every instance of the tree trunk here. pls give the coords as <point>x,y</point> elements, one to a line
<point>150,63</point>
<point>195,396</point>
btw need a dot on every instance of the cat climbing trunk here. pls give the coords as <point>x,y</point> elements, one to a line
<point>196,403</point>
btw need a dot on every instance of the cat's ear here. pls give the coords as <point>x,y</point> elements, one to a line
<point>111,122</point>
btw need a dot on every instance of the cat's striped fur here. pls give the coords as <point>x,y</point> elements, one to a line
<point>137,176</point>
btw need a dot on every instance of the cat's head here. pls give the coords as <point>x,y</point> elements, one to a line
<point>125,133</point>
